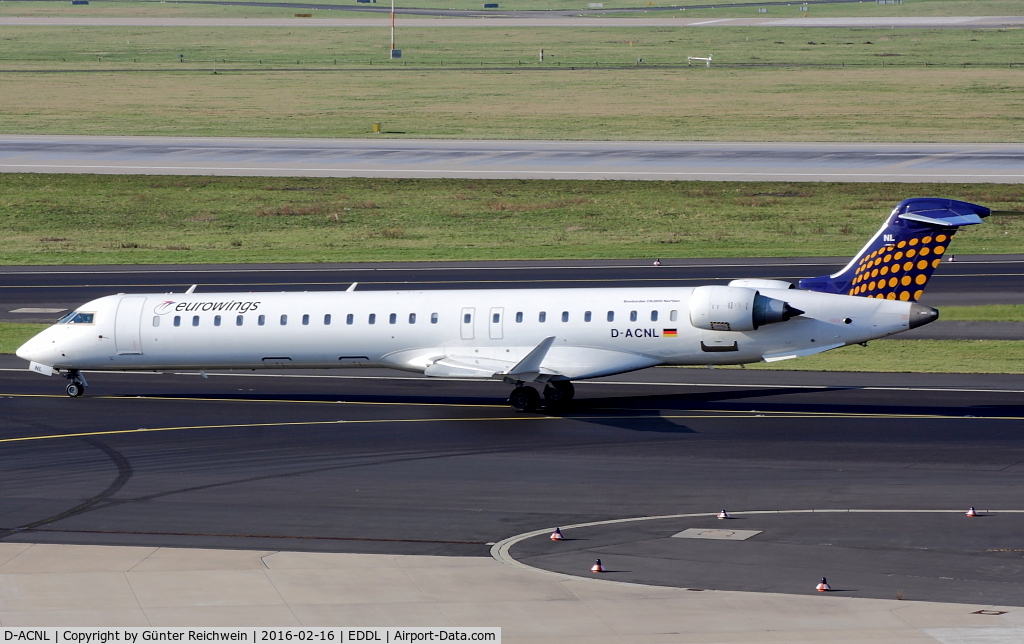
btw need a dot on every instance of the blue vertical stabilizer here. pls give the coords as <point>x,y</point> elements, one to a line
<point>898,261</point>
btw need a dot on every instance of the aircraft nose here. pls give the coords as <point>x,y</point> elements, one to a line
<point>921,315</point>
<point>28,351</point>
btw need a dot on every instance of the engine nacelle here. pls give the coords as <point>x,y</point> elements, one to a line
<point>758,283</point>
<point>732,308</point>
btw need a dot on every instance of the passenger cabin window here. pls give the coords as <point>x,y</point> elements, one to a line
<point>349,319</point>
<point>412,318</point>
<point>195,320</point>
<point>392,318</point>
<point>239,319</point>
<point>81,318</point>
<point>632,316</point>
<point>496,318</point>
<point>261,320</point>
<point>305,319</point>
<point>177,320</point>
<point>565,316</point>
<point>611,316</point>
<point>372,319</point>
<point>673,315</point>
<point>519,316</point>
<point>156,320</point>
<point>654,316</point>
<point>327,319</point>
<point>284,320</point>
<point>216,320</point>
<point>586,316</point>
<point>433,318</point>
<point>543,317</point>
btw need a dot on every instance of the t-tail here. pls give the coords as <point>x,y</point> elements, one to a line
<point>898,261</point>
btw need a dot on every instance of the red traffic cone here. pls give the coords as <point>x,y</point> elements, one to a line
<point>557,535</point>
<point>597,567</point>
<point>972,513</point>
<point>723,515</point>
<point>823,586</point>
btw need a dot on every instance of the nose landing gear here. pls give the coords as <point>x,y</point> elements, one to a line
<point>77,385</point>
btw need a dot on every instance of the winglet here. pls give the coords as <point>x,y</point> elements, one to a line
<point>352,288</point>
<point>531,363</point>
<point>191,289</point>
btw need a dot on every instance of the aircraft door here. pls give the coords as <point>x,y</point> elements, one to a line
<point>496,322</point>
<point>466,323</point>
<point>127,323</point>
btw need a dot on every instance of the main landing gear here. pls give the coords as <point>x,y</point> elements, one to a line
<point>77,385</point>
<point>525,398</point>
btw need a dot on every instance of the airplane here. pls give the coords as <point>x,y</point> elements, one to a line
<point>522,337</point>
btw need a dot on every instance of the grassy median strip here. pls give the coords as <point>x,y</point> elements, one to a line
<point>125,219</point>
<point>155,9</point>
<point>917,356</point>
<point>767,84</point>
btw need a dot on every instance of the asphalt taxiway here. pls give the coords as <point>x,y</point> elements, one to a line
<point>382,462</point>
<point>640,160</point>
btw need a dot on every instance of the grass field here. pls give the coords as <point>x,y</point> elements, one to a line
<point>487,83</point>
<point>125,219</point>
<point>134,8</point>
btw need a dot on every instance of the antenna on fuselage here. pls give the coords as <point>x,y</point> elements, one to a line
<point>351,288</point>
<point>191,289</point>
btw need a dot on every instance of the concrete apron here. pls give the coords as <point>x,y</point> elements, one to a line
<point>68,585</point>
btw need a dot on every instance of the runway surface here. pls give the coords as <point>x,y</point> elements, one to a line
<point>548,19</point>
<point>373,461</point>
<point>971,280</point>
<point>963,163</point>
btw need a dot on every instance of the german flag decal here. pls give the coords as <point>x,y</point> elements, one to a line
<point>668,333</point>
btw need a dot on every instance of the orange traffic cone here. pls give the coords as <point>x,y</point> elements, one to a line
<point>972,513</point>
<point>557,535</point>
<point>823,586</point>
<point>597,567</point>
<point>723,515</point>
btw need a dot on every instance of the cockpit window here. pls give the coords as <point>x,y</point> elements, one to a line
<point>67,318</point>
<point>78,318</point>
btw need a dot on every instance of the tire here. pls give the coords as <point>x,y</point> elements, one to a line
<point>559,392</point>
<point>524,399</point>
<point>75,390</point>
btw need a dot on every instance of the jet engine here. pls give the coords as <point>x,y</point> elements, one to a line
<point>731,308</point>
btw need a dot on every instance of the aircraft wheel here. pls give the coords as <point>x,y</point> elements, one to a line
<point>75,390</point>
<point>558,392</point>
<point>524,399</point>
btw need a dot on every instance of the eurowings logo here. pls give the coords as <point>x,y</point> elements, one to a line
<point>232,306</point>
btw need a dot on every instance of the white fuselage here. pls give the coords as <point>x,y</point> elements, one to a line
<point>423,330</point>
